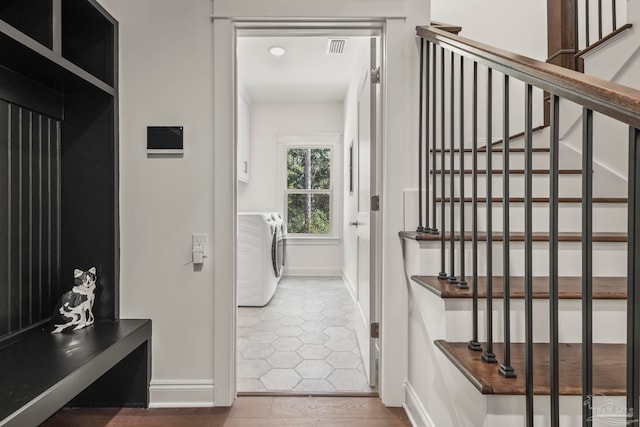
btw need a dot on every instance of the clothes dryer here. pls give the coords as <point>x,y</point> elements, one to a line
<point>259,263</point>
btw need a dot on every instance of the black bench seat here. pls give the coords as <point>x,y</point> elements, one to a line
<point>106,364</point>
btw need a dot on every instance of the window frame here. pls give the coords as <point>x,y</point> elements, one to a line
<point>332,142</point>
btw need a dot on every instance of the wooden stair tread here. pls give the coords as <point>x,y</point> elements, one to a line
<point>537,200</point>
<point>519,236</point>
<point>609,368</point>
<point>511,171</point>
<point>569,287</point>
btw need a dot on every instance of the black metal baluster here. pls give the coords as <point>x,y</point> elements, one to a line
<point>452,219</point>
<point>434,152</point>
<point>474,344</point>
<point>614,11</point>
<point>427,228</point>
<point>528,254</point>
<point>488,355</point>
<point>586,25</point>
<point>443,275</point>
<point>462,283</point>
<point>506,369</point>
<point>554,361</point>
<point>587,260</point>
<point>633,280</point>
<point>420,228</point>
<point>576,34</point>
<point>599,19</point>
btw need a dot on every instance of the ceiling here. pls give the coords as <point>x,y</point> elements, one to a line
<point>305,73</point>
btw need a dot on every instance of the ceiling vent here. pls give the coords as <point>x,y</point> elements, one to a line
<point>336,46</point>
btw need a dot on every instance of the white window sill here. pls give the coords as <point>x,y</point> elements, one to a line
<point>305,241</point>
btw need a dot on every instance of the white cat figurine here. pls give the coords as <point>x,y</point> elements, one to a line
<point>74,310</point>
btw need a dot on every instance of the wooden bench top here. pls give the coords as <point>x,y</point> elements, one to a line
<point>40,372</point>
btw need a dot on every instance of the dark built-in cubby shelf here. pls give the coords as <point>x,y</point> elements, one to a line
<point>32,17</point>
<point>88,39</point>
<point>59,211</point>
<point>72,49</point>
<point>58,123</point>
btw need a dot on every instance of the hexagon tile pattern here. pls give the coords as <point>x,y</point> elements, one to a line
<point>303,340</point>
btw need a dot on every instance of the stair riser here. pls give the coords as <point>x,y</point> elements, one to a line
<point>609,321</point>
<point>611,218</point>
<point>570,185</point>
<point>516,160</point>
<point>611,258</point>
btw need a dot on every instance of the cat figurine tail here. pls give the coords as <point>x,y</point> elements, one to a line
<point>74,309</point>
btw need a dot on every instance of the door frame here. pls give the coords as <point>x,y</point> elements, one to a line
<point>225,121</point>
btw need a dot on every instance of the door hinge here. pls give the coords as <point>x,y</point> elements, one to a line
<point>375,203</point>
<point>375,75</point>
<point>375,330</point>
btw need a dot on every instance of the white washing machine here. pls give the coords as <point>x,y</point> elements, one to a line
<point>261,251</point>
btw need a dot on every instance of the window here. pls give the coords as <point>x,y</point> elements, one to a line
<point>309,190</point>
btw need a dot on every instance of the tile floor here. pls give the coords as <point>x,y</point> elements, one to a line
<point>302,341</point>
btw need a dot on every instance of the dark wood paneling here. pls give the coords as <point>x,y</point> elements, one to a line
<point>15,153</point>
<point>45,204</point>
<point>25,219</point>
<point>36,216</point>
<point>54,176</point>
<point>28,242</point>
<point>4,218</point>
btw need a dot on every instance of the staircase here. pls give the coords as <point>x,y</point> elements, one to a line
<point>511,248</point>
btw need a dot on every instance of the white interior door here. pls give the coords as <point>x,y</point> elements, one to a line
<point>366,312</point>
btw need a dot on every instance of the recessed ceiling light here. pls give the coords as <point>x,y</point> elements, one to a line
<point>277,50</point>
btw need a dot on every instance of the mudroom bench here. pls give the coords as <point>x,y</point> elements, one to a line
<point>104,365</point>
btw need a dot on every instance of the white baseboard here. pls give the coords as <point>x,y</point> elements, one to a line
<point>181,394</point>
<point>414,409</point>
<point>311,271</point>
<point>350,286</point>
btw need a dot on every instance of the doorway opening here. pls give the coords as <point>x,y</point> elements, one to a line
<point>306,121</point>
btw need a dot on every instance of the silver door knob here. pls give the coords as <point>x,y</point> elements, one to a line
<point>353,223</point>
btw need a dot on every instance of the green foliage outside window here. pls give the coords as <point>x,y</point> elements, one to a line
<point>309,190</point>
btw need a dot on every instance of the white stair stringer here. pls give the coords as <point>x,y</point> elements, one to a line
<point>445,395</point>
<point>427,372</point>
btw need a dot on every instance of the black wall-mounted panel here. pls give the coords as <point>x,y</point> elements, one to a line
<point>30,213</point>
<point>32,17</point>
<point>161,138</point>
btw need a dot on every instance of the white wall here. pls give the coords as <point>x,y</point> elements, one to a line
<point>264,193</point>
<point>516,26</point>
<point>166,68</point>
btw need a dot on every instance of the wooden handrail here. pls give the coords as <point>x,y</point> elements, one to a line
<point>450,28</point>
<point>614,100</point>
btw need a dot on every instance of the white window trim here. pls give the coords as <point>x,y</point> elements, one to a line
<point>332,141</point>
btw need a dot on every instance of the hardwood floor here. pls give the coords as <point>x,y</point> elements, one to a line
<point>262,411</point>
